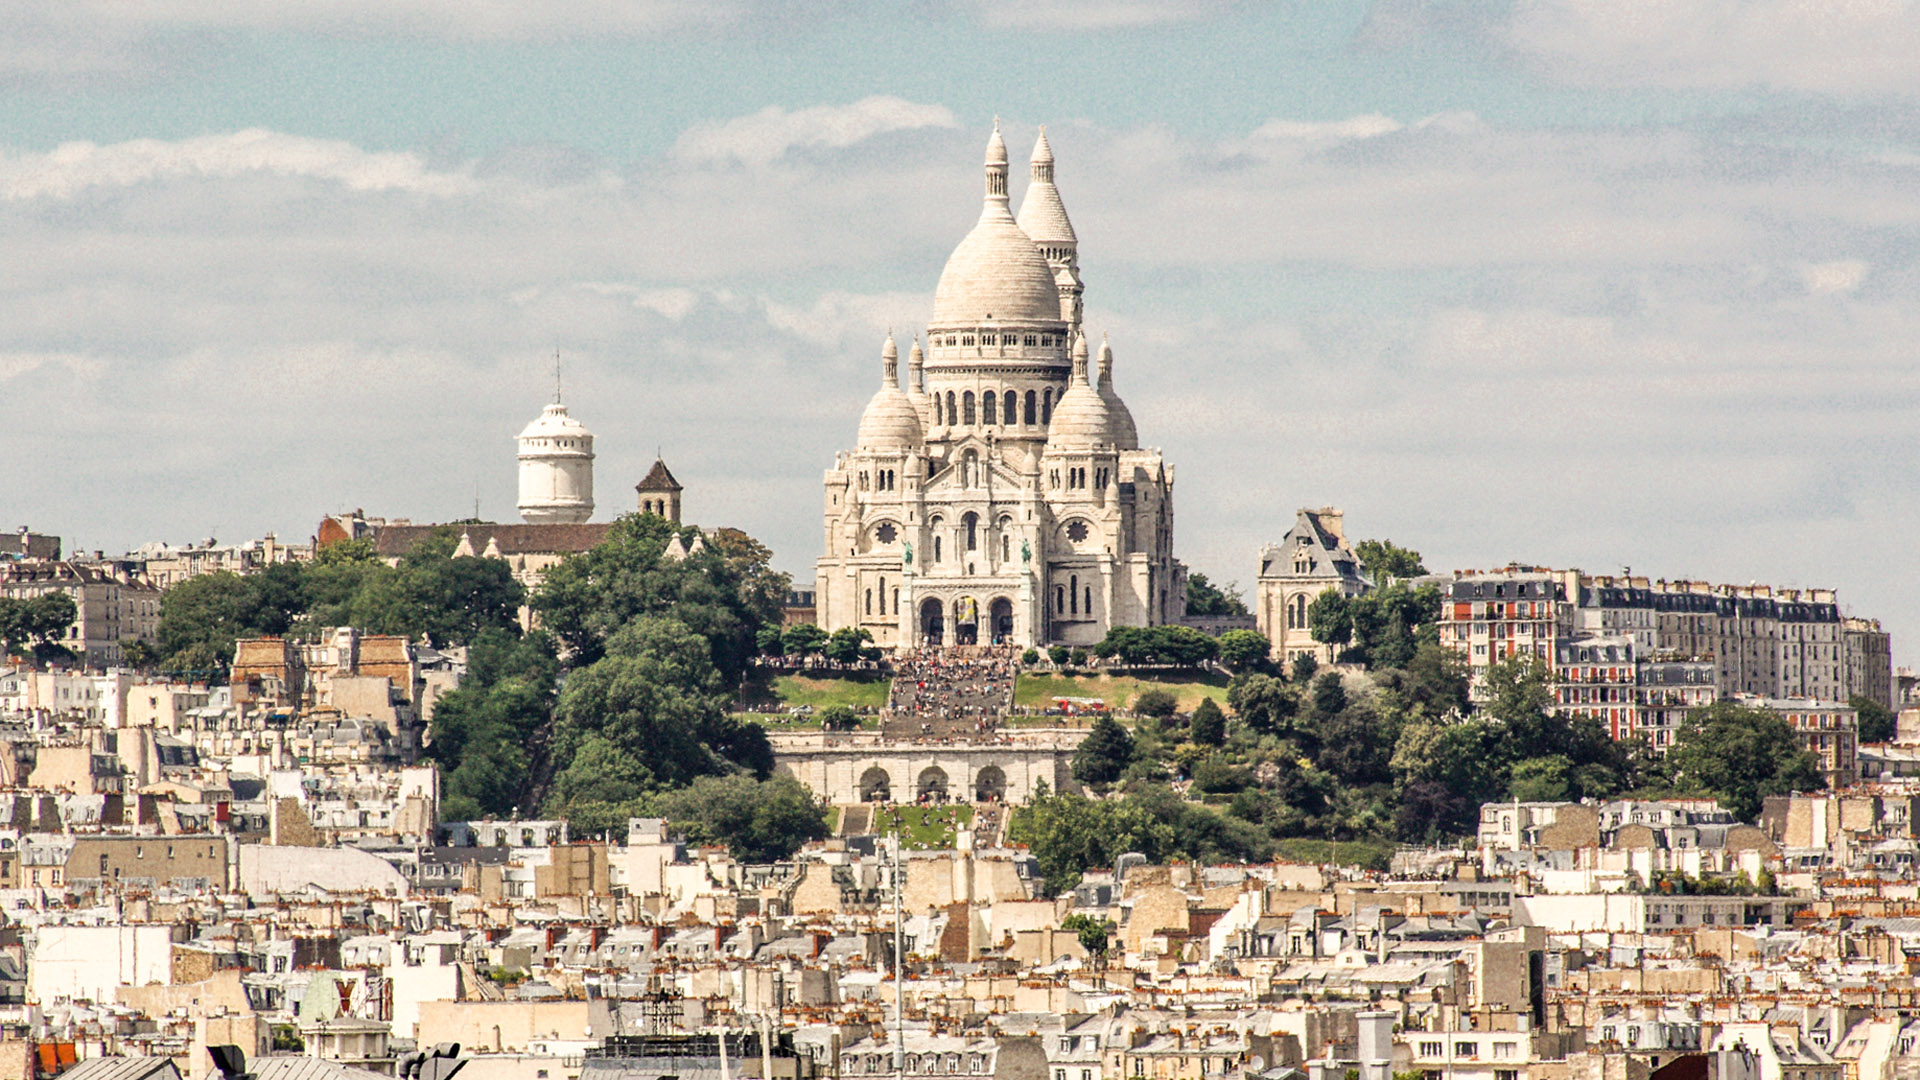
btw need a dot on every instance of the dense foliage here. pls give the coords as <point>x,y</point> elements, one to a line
<point>1739,755</point>
<point>725,591</point>
<point>758,820</point>
<point>1384,560</point>
<point>1877,722</point>
<point>429,595</point>
<point>1206,598</point>
<point>34,625</point>
<point>1182,646</point>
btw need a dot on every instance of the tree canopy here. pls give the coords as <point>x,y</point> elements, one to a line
<point>759,821</point>
<point>1384,560</point>
<point>1206,598</point>
<point>35,624</point>
<point>1740,755</point>
<point>724,591</point>
<point>429,595</point>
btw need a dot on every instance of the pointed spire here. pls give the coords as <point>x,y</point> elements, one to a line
<point>996,166</point>
<point>916,368</point>
<point>1043,158</point>
<point>890,362</point>
<point>1079,358</point>
<point>1106,362</point>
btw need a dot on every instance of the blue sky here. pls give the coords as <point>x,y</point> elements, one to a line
<point>1565,282</point>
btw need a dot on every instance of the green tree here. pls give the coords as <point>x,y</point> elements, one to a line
<point>1029,657</point>
<point>488,734</point>
<point>36,623</point>
<point>770,640</point>
<point>1156,703</point>
<point>649,714</point>
<point>849,644</point>
<point>1206,598</point>
<point>1093,934</point>
<point>1264,704</point>
<point>1385,560</point>
<point>1329,696</point>
<point>839,718</point>
<point>804,639</point>
<point>1304,666</point>
<point>1058,654</point>
<point>760,821</point>
<point>201,618</point>
<point>1740,755</point>
<point>1209,727</point>
<point>1104,754</point>
<point>722,590</point>
<point>1330,618</point>
<point>1245,650</point>
<point>1877,722</point>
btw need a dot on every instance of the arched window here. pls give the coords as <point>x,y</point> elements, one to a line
<point>936,549</point>
<point>1046,406</point>
<point>1006,548</point>
<point>966,408</point>
<point>1059,600</point>
<point>1089,599</point>
<point>1031,401</point>
<point>952,416</point>
<point>1007,412</point>
<point>1073,594</point>
<point>936,409</point>
<point>989,407</point>
<point>972,521</point>
<point>883,596</point>
<point>869,601</point>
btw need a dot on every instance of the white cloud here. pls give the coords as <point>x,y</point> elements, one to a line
<point>1842,276</point>
<point>77,166</point>
<point>1093,14</point>
<point>1824,46</point>
<point>17,365</point>
<point>1354,127</point>
<point>770,133</point>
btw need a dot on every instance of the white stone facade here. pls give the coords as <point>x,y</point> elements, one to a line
<point>1002,495</point>
<point>556,469</point>
<point>1312,558</point>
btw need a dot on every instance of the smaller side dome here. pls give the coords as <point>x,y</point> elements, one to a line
<point>1125,435</point>
<point>890,421</point>
<point>1081,418</point>
<point>554,422</point>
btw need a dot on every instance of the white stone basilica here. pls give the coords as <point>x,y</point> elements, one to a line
<point>1002,496</point>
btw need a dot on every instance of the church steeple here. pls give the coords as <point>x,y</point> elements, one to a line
<point>1043,217</point>
<point>996,166</point>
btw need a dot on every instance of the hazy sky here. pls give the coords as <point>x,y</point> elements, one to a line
<point>1592,283</point>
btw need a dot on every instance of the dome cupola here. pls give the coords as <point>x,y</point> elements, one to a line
<point>891,422</point>
<point>996,276</point>
<point>1081,418</point>
<point>1125,435</point>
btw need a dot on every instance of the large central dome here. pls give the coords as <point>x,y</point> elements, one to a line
<point>996,275</point>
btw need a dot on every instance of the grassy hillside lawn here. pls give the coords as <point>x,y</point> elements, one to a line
<point>929,828</point>
<point>820,693</point>
<point>1118,692</point>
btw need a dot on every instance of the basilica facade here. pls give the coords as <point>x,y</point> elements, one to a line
<point>1001,495</point>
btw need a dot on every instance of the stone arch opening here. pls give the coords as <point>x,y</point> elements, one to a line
<point>932,785</point>
<point>1000,620</point>
<point>990,785</point>
<point>933,621</point>
<point>876,785</point>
